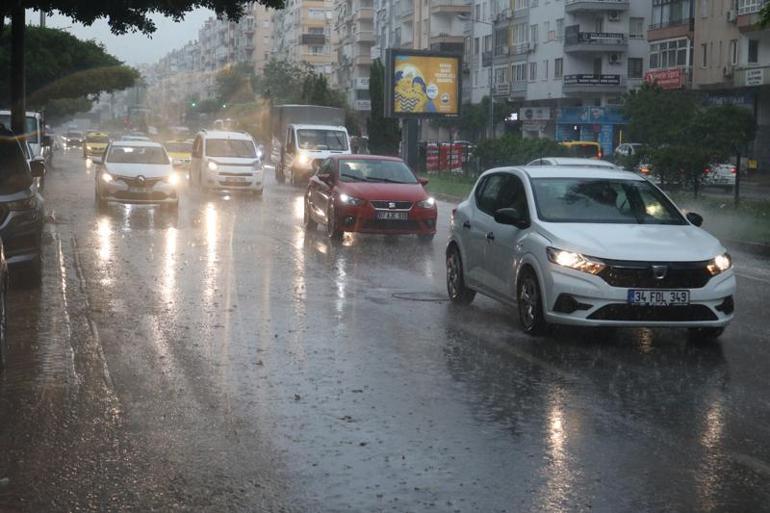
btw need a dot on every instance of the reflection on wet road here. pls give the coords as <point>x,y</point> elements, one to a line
<point>223,359</point>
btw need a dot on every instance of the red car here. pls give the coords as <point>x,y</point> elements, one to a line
<point>369,194</point>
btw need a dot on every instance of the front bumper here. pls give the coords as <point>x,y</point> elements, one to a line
<point>158,193</point>
<point>94,152</point>
<point>363,219</point>
<point>235,180</point>
<point>581,299</point>
<point>21,233</point>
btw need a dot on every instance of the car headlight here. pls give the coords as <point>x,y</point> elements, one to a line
<point>25,204</point>
<point>575,261</point>
<point>350,200</point>
<point>303,160</point>
<point>106,177</point>
<point>259,154</point>
<point>173,179</point>
<point>719,264</point>
<point>213,166</point>
<point>427,203</point>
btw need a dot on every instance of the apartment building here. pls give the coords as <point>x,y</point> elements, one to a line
<point>731,62</point>
<point>478,51</point>
<point>354,27</point>
<point>303,34</point>
<point>671,37</point>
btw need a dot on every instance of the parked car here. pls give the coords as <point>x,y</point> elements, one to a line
<point>226,161</point>
<point>574,162</point>
<point>719,175</point>
<point>627,149</point>
<point>369,194</point>
<point>21,207</point>
<point>3,308</point>
<point>137,172</point>
<point>587,247</point>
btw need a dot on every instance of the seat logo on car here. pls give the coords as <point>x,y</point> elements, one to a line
<point>659,271</point>
<point>391,205</point>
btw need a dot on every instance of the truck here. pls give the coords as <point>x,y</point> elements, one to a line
<point>303,136</point>
<point>39,142</point>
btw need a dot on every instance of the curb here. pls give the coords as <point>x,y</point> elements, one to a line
<point>755,248</point>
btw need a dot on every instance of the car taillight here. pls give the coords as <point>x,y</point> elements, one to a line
<point>599,154</point>
<point>706,171</point>
<point>732,170</point>
<point>452,217</point>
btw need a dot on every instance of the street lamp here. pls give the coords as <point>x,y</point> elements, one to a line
<point>463,17</point>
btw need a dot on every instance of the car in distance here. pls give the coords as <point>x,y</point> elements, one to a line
<point>95,144</point>
<point>627,150</point>
<point>574,162</point>
<point>720,175</point>
<point>21,207</point>
<point>137,172</point>
<point>226,161</point>
<point>180,153</point>
<point>583,149</point>
<point>369,194</point>
<point>587,247</point>
<point>73,139</point>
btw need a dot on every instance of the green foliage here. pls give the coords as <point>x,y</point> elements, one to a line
<point>657,116</point>
<point>724,130</point>
<point>63,108</point>
<point>234,84</point>
<point>283,81</point>
<point>384,134</point>
<point>513,150</point>
<point>473,120</point>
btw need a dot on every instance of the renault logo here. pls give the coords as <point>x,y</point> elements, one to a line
<point>140,179</point>
<point>659,271</point>
<point>391,205</point>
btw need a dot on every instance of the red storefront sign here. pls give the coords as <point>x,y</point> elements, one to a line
<point>666,78</point>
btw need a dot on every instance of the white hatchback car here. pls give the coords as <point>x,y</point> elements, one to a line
<point>587,247</point>
<point>574,162</point>
<point>136,172</point>
<point>227,161</point>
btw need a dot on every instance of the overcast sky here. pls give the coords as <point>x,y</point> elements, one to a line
<point>135,48</point>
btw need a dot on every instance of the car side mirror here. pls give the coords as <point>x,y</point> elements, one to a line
<point>423,181</point>
<point>512,217</point>
<point>694,218</point>
<point>37,167</point>
<point>327,179</point>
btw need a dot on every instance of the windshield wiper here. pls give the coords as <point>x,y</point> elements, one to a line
<point>354,177</point>
<point>385,180</point>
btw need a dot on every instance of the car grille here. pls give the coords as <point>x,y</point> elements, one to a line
<point>391,224</point>
<point>226,183</point>
<point>147,183</point>
<point>622,312</point>
<point>679,275</point>
<point>385,205</point>
<point>149,195</point>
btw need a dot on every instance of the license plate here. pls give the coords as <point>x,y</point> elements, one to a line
<point>397,216</point>
<point>137,190</point>
<point>661,297</point>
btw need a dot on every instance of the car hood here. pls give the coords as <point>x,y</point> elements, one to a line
<point>656,243</point>
<point>234,161</point>
<point>385,191</point>
<point>133,170</point>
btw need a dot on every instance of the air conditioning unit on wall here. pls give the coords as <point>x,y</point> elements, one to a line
<point>613,16</point>
<point>614,58</point>
<point>732,16</point>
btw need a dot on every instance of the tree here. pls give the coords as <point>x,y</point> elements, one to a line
<point>513,150</point>
<point>282,81</point>
<point>121,15</point>
<point>234,84</point>
<point>657,116</point>
<point>384,134</point>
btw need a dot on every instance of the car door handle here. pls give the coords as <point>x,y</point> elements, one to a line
<point>467,225</point>
<point>490,235</point>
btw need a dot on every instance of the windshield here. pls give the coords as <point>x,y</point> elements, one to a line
<point>137,155</point>
<point>237,148</point>
<point>586,200</point>
<point>316,139</point>
<point>30,126</point>
<point>179,147</point>
<point>74,135</point>
<point>98,139</point>
<point>387,171</point>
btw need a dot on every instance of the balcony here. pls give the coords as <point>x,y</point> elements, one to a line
<point>362,60</point>
<point>444,39</point>
<point>747,16</point>
<point>518,90</point>
<point>671,29</point>
<point>597,84</point>
<point>751,76</point>
<point>502,90</point>
<point>365,36</point>
<point>312,39</point>
<point>365,13</point>
<point>451,7</point>
<point>486,59</point>
<point>576,41</point>
<point>578,6</point>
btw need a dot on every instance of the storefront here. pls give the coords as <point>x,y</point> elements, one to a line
<point>601,124</point>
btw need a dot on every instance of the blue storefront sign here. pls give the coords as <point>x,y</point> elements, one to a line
<point>591,124</point>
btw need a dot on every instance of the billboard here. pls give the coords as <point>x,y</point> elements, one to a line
<point>422,84</point>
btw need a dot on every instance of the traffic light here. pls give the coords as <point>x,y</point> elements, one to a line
<point>193,104</point>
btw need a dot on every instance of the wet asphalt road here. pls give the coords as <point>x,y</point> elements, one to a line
<point>222,359</point>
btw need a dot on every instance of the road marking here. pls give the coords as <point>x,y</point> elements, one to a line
<point>750,277</point>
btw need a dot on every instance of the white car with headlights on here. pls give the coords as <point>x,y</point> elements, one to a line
<point>136,172</point>
<point>587,247</point>
<point>226,161</point>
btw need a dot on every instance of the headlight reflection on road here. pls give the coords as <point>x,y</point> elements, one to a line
<point>212,234</point>
<point>558,488</point>
<point>299,207</point>
<point>104,235</point>
<point>168,283</point>
<point>713,464</point>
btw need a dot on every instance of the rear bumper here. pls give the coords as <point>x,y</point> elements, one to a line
<point>363,219</point>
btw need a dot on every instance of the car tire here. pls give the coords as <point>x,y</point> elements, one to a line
<point>4,326</point>
<point>530,304</point>
<point>705,334</point>
<point>307,218</point>
<point>458,292</point>
<point>332,230</point>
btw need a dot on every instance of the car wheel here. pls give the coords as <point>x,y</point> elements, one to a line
<point>308,220</point>
<point>332,230</point>
<point>4,326</point>
<point>458,292</point>
<point>705,334</point>
<point>530,304</point>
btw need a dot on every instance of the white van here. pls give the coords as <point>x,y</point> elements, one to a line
<point>226,161</point>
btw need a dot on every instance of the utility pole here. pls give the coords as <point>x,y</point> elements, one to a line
<point>491,103</point>
<point>42,18</point>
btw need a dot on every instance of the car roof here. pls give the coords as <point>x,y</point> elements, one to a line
<point>140,144</point>
<point>364,157</point>
<point>299,126</point>
<point>562,161</point>
<point>226,134</point>
<point>571,172</point>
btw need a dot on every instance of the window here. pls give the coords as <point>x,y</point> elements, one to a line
<point>635,67</point>
<point>704,53</point>
<point>704,9</point>
<point>733,52</point>
<point>501,191</point>
<point>636,28</point>
<point>476,46</point>
<point>316,50</point>
<point>478,12</point>
<point>558,68</point>
<point>533,34</point>
<point>501,41</point>
<point>560,29</point>
<point>545,69</point>
<point>500,76</point>
<point>519,33</point>
<point>669,54</point>
<point>546,30</point>
<point>532,71</point>
<point>753,51</point>
<point>488,43</point>
<point>520,4</point>
<point>519,72</point>
<point>487,192</point>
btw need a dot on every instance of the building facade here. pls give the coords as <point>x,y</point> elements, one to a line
<point>354,27</point>
<point>303,33</point>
